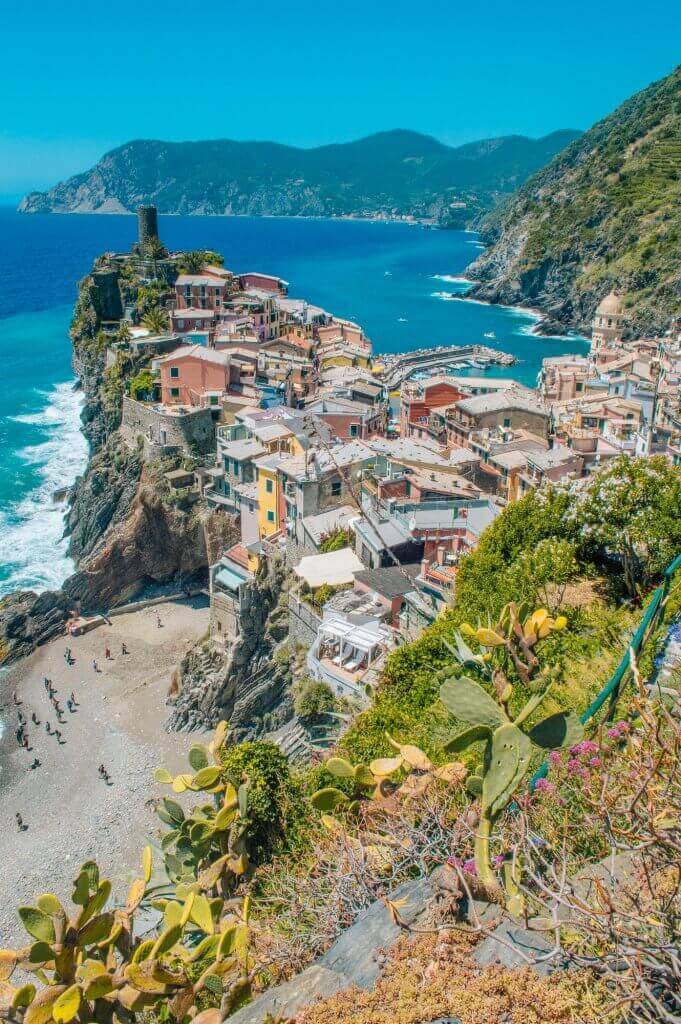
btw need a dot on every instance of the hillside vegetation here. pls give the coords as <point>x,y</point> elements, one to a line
<point>605,214</point>
<point>390,172</point>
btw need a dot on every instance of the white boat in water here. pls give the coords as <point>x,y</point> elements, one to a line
<point>402,320</point>
<point>489,334</point>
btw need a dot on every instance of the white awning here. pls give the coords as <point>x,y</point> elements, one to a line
<point>334,568</point>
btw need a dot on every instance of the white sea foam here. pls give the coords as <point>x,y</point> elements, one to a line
<point>452,279</point>
<point>31,545</point>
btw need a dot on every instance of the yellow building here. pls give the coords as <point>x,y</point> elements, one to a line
<point>270,501</point>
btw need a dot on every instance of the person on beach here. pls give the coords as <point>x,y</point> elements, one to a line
<point>69,705</point>
<point>35,763</point>
<point>20,822</point>
<point>124,649</point>
<point>35,719</point>
<point>95,665</point>
<point>16,699</point>
<point>73,699</point>
<point>159,624</point>
<point>22,720</point>
<point>107,654</point>
<point>57,733</point>
<point>24,742</point>
<point>67,655</point>
<point>48,728</point>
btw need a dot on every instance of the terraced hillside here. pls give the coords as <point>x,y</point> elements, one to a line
<point>604,214</point>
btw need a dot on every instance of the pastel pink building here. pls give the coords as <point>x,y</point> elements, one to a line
<point>189,375</point>
<point>200,291</point>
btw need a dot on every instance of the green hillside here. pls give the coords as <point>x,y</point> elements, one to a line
<point>399,172</point>
<point>604,214</point>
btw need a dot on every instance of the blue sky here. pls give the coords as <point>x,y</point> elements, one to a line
<point>78,79</point>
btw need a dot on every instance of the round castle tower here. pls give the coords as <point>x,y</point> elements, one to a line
<point>147,224</point>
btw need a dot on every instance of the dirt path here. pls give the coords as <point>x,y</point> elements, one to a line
<point>70,813</point>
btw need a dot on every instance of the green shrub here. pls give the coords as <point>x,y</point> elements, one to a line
<point>314,698</point>
<point>274,803</point>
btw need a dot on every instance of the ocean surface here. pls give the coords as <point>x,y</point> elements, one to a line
<point>388,277</point>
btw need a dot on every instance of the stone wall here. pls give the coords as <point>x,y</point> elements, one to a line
<point>303,621</point>
<point>164,432</point>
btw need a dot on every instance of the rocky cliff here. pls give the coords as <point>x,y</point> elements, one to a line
<point>124,532</point>
<point>604,215</point>
<point>247,684</point>
<point>399,172</point>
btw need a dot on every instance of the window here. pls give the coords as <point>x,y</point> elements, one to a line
<point>175,392</point>
<point>235,464</point>
<point>213,399</point>
<point>335,488</point>
<point>407,489</point>
<point>353,429</point>
<point>269,486</point>
<point>174,371</point>
<point>227,489</point>
<point>579,387</point>
<point>507,421</point>
<point>270,516</point>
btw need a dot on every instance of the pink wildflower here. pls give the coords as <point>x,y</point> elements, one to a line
<point>544,786</point>
<point>595,762</point>
<point>469,866</point>
<point>554,757</point>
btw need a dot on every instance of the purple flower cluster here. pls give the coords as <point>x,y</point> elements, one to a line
<point>544,786</point>
<point>585,747</point>
<point>618,731</point>
<point>464,865</point>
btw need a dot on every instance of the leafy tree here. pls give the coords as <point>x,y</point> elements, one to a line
<point>193,262</point>
<point>156,320</point>
<point>540,574</point>
<point>123,334</point>
<point>142,385</point>
<point>631,509</point>
<point>154,249</point>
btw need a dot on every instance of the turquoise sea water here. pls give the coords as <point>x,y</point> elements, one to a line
<point>386,276</point>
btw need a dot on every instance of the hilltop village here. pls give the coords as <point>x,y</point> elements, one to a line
<point>361,480</point>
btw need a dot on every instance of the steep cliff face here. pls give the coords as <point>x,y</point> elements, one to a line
<point>246,685</point>
<point>152,543</point>
<point>391,172</point>
<point>604,215</point>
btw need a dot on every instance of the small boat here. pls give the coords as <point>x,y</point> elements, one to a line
<point>402,320</point>
<point>489,334</point>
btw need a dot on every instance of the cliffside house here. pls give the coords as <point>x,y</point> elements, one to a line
<point>205,291</point>
<point>352,641</point>
<point>194,376</point>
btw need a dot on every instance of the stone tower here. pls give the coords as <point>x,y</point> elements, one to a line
<point>608,321</point>
<point>147,224</point>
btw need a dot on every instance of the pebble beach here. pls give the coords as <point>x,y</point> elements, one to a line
<point>70,813</point>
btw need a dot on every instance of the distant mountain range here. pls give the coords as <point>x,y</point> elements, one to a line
<point>603,215</point>
<point>388,174</point>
